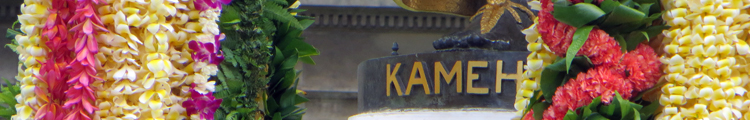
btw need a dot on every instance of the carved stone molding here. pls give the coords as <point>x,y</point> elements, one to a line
<point>381,18</point>
<point>10,9</point>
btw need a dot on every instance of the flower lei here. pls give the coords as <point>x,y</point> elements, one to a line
<point>123,57</point>
<point>574,87</point>
<point>32,52</point>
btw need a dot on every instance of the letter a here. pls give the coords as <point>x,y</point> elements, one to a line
<point>422,80</point>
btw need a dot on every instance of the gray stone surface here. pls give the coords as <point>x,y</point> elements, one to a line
<point>369,3</point>
<point>343,49</point>
<point>344,41</point>
<point>9,59</point>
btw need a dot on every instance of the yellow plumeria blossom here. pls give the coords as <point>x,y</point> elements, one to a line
<point>706,58</point>
<point>540,57</point>
<point>144,57</point>
<point>32,50</point>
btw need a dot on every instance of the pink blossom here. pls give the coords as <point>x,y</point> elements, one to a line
<point>203,104</point>
<point>207,52</point>
<point>210,4</point>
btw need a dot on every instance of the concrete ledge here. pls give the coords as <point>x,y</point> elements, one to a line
<point>425,114</point>
<point>313,94</point>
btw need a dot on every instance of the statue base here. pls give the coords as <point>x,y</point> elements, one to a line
<point>432,114</point>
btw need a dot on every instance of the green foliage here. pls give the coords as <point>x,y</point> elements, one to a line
<point>579,38</point>
<point>629,21</point>
<point>618,109</point>
<point>7,99</point>
<point>11,34</point>
<point>556,74</point>
<point>257,79</point>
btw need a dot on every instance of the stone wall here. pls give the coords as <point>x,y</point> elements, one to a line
<point>369,3</point>
<point>347,36</point>
<point>9,9</point>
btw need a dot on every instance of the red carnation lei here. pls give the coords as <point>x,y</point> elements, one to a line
<point>627,74</point>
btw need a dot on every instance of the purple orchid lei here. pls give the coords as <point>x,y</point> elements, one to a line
<point>204,105</point>
<point>210,4</point>
<point>207,52</point>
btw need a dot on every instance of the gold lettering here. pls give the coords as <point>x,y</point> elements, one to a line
<point>500,76</point>
<point>454,73</point>
<point>422,80</point>
<point>470,77</point>
<point>391,79</point>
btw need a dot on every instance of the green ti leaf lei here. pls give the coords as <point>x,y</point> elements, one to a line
<point>257,79</point>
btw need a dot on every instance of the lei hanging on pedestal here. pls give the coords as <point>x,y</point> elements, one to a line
<point>590,59</point>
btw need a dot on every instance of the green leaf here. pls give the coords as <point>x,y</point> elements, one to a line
<point>571,115</point>
<point>304,49</point>
<point>550,81</point>
<point>577,15</point>
<point>536,97</point>
<point>539,110</point>
<point>623,14</point>
<point>296,115</point>
<point>297,10</point>
<point>622,42</point>
<point>635,105</point>
<point>14,89</point>
<point>287,98</point>
<point>624,105</point>
<point>636,114</point>
<point>280,2</point>
<point>277,116</point>
<point>290,62</point>
<point>276,12</point>
<point>608,5</point>
<point>649,109</point>
<point>271,105</point>
<point>634,38</point>
<point>229,15</point>
<point>558,65</point>
<point>307,60</point>
<point>586,112</point>
<point>645,8</point>
<point>278,57</point>
<point>11,34</point>
<point>300,99</point>
<point>579,38</point>
<point>608,109</point>
<point>306,23</point>
<point>653,31</point>
<point>583,62</point>
<point>7,99</point>
<point>648,39</point>
<point>596,116</point>
<point>595,102</point>
<point>284,83</point>
<point>628,3</point>
<point>7,112</point>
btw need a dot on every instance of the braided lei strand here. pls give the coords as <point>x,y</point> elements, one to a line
<point>613,71</point>
<point>54,75</point>
<point>32,52</point>
<point>123,57</point>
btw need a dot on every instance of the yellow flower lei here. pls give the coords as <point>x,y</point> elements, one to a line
<point>32,50</point>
